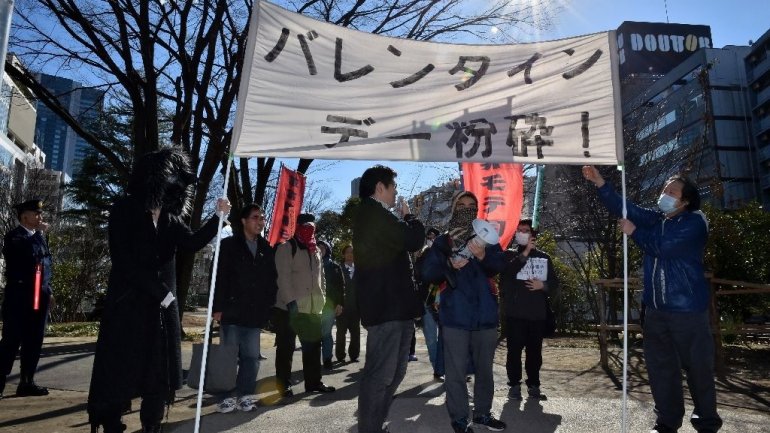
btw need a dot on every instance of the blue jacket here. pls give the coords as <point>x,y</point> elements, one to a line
<point>673,250</point>
<point>468,301</point>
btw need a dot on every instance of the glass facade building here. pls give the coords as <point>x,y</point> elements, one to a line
<point>758,75</point>
<point>63,147</point>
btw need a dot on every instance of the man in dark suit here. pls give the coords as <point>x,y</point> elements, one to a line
<point>350,320</point>
<point>27,296</point>
<point>388,298</point>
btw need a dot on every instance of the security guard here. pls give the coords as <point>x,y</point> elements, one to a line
<point>27,296</point>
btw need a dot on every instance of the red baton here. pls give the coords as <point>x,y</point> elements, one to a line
<point>38,278</point>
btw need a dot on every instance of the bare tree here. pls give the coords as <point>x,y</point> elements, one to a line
<point>179,64</point>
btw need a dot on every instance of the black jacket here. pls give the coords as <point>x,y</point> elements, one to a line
<point>246,285</point>
<point>22,253</point>
<point>519,301</point>
<point>351,296</point>
<point>138,348</point>
<point>384,277</point>
<point>335,283</point>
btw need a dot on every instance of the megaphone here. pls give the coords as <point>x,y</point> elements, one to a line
<point>485,232</point>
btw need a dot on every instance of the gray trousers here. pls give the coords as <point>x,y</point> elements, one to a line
<point>459,346</point>
<point>674,342</point>
<point>387,354</point>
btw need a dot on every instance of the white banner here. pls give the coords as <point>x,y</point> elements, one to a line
<point>315,90</point>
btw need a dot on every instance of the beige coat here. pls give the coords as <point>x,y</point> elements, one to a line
<point>300,278</point>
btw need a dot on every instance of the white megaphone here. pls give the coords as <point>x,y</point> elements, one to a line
<point>486,234</point>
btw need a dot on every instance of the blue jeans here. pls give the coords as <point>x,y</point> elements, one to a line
<point>327,343</point>
<point>431,330</point>
<point>247,340</point>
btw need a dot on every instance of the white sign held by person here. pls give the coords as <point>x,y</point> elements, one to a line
<point>315,90</point>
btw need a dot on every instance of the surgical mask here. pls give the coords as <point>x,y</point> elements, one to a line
<point>521,238</point>
<point>429,243</point>
<point>666,203</point>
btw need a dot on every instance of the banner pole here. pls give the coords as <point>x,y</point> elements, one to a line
<point>538,192</point>
<point>209,312</point>
<point>624,428</point>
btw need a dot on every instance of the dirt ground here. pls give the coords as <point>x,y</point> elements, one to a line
<point>571,368</point>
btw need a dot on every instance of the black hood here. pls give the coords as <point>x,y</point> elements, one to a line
<point>164,180</point>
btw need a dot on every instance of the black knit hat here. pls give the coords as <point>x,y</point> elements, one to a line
<point>305,218</point>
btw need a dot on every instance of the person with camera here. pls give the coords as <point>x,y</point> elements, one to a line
<point>526,282</point>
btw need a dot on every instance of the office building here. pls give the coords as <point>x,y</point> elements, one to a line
<point>696,120</point>
<point>64,148</point>
<point>757,64</point>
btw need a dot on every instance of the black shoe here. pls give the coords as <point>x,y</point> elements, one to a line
<point>287,393</point>
<point>321,388</point>
<point>437,377</point>
<point>490,422</point>
<point>534,393</point>
<point>328,364</point>
<point>29,389</point>
<point>662,428</point>
<point>353,359</point>
<point>152,428</point>
<point>262,357</point>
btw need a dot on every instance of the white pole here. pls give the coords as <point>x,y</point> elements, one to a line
<point>6,14</point>
<point>625,308</point>
<point>209,311</point>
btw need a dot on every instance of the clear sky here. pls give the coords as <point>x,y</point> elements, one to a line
<point>732,22</point>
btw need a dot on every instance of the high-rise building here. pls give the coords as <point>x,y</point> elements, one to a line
<point>355,184</point>
<point>695,119</point>
<point>64,148</point>
<point>758,76</point>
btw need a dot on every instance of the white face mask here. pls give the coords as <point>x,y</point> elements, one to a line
<point>521,238</point>
<point>429,243</point>
<point>666,203</point>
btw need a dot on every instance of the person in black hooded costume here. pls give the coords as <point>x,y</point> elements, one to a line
<point>138,350</point>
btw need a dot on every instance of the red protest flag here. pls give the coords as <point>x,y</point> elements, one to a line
<point>500,191</point>
<point>288,203</point>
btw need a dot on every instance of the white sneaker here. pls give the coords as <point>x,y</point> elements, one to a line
<point>245,404</point>
<point>227,405</point>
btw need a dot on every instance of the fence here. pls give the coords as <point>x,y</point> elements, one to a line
<point>719,287</point>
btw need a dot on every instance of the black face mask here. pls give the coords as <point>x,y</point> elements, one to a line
<point>175,193</point>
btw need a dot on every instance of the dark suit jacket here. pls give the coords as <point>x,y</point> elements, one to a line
<point>384,277</point>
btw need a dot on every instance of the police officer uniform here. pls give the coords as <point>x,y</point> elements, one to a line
<point>26,299</point>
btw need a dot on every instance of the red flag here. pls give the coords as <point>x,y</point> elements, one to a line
<point>500,190</point>
<point>288,203</point>
<point>38,282</point>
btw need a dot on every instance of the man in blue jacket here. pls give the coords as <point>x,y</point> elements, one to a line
<point>677,331</point>
<point>468,314</point>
